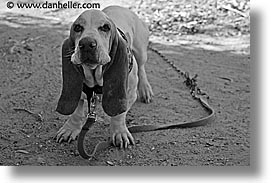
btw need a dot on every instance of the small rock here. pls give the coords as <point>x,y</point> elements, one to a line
<point>137,141</point>
<point>209,144</point>
<point>173,143</point>
<point>110,163</point>
<point>27,47</point>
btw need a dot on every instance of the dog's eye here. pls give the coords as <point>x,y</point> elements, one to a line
<point>78,28</point>
<point>105,28</point>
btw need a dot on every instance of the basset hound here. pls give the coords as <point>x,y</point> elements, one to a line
<point>97,53</point>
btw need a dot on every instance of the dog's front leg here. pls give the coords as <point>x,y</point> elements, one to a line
<point>119,132</point>
<point>72,127</point>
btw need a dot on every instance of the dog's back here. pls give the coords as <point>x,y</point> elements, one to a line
<point>128,22</point>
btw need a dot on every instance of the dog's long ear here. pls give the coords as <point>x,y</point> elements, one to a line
<point>115,77</point>
<point>72,81</point>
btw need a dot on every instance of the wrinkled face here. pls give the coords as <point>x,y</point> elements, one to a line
<point>91,33</point>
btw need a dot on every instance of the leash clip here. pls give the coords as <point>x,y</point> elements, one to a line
<point>92,103</point>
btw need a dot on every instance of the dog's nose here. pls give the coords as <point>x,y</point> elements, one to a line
<point>87,43</point>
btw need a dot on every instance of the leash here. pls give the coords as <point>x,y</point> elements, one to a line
<point>195,92</point>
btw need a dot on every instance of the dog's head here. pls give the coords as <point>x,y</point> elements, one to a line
<point>92,34</point>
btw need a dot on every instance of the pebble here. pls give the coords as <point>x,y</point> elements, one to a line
<point>110,163</point>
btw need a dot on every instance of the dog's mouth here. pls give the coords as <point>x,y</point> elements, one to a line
<point>80,63</point>
<point>91,63</point>
<point>91,60</point>
<point>90,66</point>
<point>88,58</point>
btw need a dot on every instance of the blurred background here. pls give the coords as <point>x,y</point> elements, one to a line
<point>168,20</point>
<point>164,17</point>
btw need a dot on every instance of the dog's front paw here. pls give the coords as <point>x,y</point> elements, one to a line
<point>68,132</point>
<point>121,136</point>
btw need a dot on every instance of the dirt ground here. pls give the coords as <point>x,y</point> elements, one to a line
<point>30,78</point>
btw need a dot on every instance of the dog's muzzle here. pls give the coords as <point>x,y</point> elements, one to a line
<point>88,51</point>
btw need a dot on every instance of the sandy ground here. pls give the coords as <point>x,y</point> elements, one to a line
<point>30,78</point>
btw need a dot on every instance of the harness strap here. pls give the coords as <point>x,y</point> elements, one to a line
<point>129,50</point>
